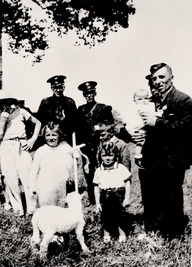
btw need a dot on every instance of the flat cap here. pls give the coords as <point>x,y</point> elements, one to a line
<point>87,86</point>
<point>57,79</point>
<point>155,68</point>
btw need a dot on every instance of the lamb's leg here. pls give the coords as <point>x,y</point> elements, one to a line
<point>35,239</point>
<point>47,237</point>
<point>80,237</point>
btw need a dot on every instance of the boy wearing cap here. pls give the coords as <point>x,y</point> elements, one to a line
<point>89,116</point>
<point>58,107</point>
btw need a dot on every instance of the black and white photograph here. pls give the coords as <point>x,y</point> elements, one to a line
<point>96,133</point>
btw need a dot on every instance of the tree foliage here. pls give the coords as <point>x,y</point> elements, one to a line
<point>92,20</point>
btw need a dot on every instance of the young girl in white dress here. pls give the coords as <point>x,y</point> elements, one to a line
<point>52,167</point>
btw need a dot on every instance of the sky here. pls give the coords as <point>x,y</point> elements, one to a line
<point>160,31</point>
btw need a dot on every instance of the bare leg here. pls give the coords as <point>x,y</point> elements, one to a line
<point>47,237</point>
<point>35,239</point>
<point>80,237</point>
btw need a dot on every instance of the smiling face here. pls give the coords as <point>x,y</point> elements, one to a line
<point>51,137</point>
<point>162,80</point>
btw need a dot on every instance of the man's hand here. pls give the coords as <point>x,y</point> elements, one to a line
<point>138,136</point>
<point>98,208</point>
<point>4,116</point>
<point>9,109</point>
<point>148,119</point>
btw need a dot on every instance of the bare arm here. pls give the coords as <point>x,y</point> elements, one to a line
<point>30,142</point>
<point>3,121</point>
<point>126,200</point>
<point>97,198</point>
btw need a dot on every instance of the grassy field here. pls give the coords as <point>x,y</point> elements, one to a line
<point>138,250</point>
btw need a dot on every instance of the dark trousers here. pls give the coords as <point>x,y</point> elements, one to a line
<point>162,197</point>
<point>112,209</point>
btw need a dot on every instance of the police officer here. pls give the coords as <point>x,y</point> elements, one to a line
<point>89,116</point>
<point>58,107</point>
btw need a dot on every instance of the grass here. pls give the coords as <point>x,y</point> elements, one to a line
<point>138,250</point>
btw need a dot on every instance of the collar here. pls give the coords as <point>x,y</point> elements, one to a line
<point>115,166</point>
<point>91,104</point>
<point>58,98</point>
<point>164,96</point>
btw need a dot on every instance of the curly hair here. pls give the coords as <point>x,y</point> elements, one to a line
<point>53,126</point>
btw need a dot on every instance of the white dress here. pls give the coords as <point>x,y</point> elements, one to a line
<point>51,168</point>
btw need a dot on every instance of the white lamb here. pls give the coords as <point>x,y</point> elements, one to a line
<point>52,219</point>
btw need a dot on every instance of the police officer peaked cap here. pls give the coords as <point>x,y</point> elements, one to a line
<point>87,86</point>
<point>57,79</point>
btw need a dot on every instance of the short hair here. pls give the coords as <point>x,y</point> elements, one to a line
<point>140,90</point>
<point>109,148</point>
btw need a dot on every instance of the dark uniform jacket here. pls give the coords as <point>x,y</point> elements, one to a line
<point>59,109</point>
<point>168,143</point>
<point>90,115</point>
